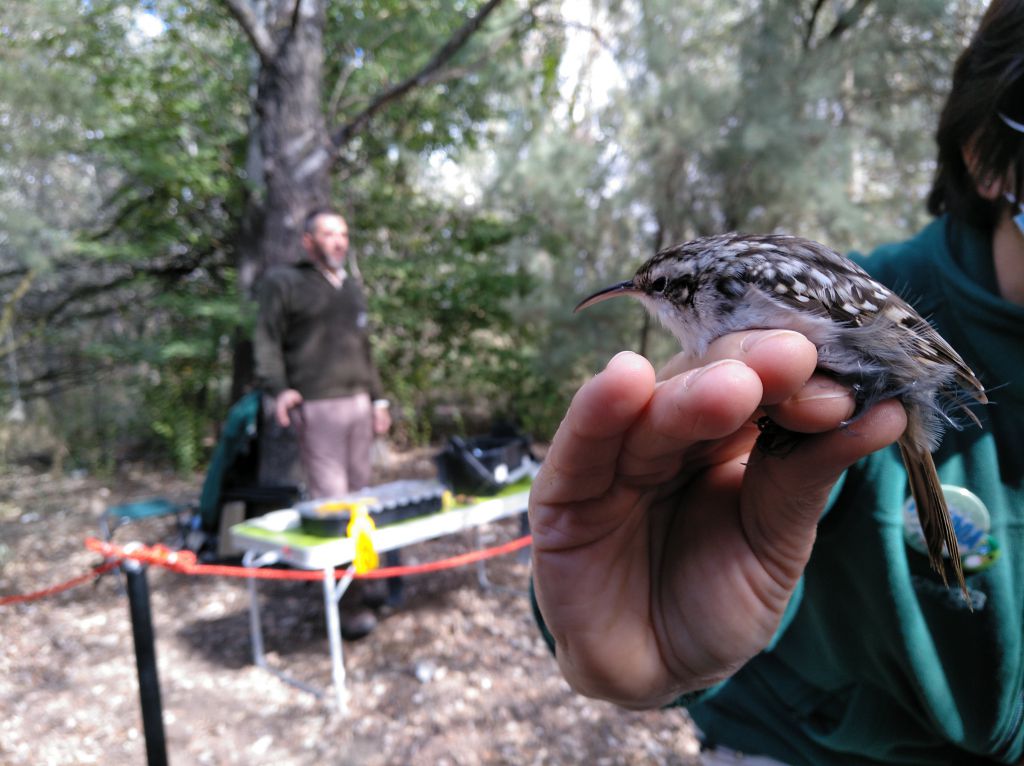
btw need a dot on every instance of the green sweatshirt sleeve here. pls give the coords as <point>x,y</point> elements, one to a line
<point>268,338</point>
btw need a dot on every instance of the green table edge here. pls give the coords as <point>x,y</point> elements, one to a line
<point>300,539</point>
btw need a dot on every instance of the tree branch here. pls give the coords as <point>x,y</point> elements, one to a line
<point>457,73</point>
<point>55,380</point>
<point>7,314</point>
<point>811,23</point>
<point>445,53</point>
<point>123,214</point>
<point>334,104</point>
<point>121,275</point>
<point>257,33</point>
<point>848,19</point>
<point>296,7</point>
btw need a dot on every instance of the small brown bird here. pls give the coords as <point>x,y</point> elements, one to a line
<point>867,337</point>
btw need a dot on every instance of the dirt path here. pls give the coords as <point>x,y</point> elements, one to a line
<point>455,675</point>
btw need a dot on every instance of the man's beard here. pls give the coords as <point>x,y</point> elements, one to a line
<point>327,260</point>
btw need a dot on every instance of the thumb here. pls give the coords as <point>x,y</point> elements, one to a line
<point>783,495</point>
<point>284,404</point>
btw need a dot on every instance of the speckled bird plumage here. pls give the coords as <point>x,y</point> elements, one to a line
<point>866,336</point>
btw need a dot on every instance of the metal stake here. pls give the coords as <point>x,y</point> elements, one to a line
<point>145,662</point>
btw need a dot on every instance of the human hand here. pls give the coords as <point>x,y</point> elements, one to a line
<point>665,550</point>
<point>285,401</point>
<point>381,418</point>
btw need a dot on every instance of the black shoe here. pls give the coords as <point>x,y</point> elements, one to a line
<point>356,625</point>
<point>374,593</point>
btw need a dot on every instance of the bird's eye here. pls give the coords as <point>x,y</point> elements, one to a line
<point>659,285</point>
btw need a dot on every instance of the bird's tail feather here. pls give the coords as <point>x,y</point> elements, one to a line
<point>933,512</point>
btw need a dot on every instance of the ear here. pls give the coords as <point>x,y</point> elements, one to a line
<point>990,189</point>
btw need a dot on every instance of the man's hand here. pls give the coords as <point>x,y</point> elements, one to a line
<point>665,550</point>
<point>285,401</point>
<point>381,419</point>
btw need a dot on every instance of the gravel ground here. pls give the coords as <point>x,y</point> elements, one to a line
<point>454,675</point>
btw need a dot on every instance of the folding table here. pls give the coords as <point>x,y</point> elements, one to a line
<point>277,538</point>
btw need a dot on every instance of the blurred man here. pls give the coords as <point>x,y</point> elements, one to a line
<point>313,358</point>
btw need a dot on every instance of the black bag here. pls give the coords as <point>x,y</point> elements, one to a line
<point>387,504</point>
<point>484,465</point>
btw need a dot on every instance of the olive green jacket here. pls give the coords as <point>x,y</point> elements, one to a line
<point>313,337</point>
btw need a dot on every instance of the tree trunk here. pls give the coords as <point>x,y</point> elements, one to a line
<point>290,165</point>
<point>293,161</point>
<point>293,139</point>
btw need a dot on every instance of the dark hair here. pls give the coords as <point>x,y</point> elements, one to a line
<point>988,81</point>
<point>309,225</point>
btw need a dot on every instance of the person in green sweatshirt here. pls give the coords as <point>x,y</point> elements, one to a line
<point>786,600</point>
<point>314,362</point>
<point>313,356</point>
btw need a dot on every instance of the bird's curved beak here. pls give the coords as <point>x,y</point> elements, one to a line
<point>622,288</point>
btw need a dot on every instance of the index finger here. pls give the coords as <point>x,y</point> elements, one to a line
<point>580,464</point>
<point>781,361</point>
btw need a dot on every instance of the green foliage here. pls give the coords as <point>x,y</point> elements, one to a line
<point>757,116</point>
<point>441,266</point>
<point>179,412</point>
<point>140,261</point>
<point>175,132</point>
<point>179,368</point>
<point>484,204</point>
<point>189,395</point>
<point>142,144</point>
<point>440,288</point>
<point>809,117</point>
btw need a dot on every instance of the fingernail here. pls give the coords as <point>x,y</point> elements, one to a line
<point>621,353</point>
<point>821,390</point>
<point>693,376</point>
<point>756,338</point>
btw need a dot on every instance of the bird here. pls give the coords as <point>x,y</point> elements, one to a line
<point>866,335</point>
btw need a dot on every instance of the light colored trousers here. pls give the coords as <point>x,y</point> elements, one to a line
<point>335,442</point>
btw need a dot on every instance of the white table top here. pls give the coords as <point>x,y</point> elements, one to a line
<point>281,532</point>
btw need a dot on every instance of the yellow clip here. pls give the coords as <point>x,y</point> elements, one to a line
<point>360,525</point>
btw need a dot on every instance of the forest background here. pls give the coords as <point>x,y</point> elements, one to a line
<point>497,161</point>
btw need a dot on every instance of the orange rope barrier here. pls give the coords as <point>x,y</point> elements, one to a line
<point>185,562</point>
<point>97,571</point>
